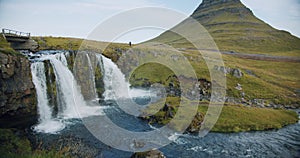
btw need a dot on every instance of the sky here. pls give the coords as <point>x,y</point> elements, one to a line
<point>70,18</point>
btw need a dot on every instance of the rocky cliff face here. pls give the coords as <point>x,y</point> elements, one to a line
<point>208,3</point>
<point>17,92</point>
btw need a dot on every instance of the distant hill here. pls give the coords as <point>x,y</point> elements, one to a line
<point>234,27</point>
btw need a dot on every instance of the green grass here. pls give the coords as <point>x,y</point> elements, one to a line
<point>233,118</point>
<point>238,31</point>
<point>6,48</point>
<point>13,145</point>
<point>58,43</point>
<point>275,82</point>
<point>240,119</point>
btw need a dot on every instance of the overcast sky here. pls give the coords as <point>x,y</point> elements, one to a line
<point>77,18</point>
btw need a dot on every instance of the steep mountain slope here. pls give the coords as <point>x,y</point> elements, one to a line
<point>234,27</point>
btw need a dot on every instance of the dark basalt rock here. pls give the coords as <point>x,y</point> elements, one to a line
<point>18,105</point>
<point>196,123</point>
<point>149,154</point>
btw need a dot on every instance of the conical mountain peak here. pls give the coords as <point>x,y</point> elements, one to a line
<point>234,27</point>
<point>211,2</point>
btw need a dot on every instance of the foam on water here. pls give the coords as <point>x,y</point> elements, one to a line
<point>70,100</point>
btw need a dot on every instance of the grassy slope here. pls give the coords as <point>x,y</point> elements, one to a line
<point>277,81</point>
<point>5,47</point>
<point>234,118</point>
<point>235,28</point>
<point>273,81</point>
<point>13,145</point>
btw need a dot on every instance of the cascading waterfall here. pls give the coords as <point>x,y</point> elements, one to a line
<point>70,96</point>
<point>114,80</point>
<point>71,103</point>
<point>70,100</point>
<point>62,58</point>
<point>115,84</point>
<point>46,122</point>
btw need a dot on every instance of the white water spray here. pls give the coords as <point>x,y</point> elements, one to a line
<point>70,100</point>
<point>115,84</point>
<point>46,122</point>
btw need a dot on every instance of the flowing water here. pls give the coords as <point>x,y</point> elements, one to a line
<point>47,123</point>
<point>71,104</point>
<point>277,143</point>
<point>115,83</point>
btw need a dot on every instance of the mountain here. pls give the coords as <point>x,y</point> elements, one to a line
<point>234,27</point>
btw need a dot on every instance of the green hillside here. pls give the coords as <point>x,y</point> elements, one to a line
<point>235,28</point>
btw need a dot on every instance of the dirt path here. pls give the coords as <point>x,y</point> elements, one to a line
<point>258,56</point>
<point>263,57</point>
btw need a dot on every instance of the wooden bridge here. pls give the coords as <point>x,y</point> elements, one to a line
<point>20,40</point>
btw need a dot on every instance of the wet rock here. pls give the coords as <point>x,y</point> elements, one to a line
<point>149,154</point>
<point>196,123</point>
<point>168,111</point>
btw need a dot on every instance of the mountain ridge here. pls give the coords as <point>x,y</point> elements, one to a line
<point>234,27</point>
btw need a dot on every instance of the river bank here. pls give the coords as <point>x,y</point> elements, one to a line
<point>233,118</point>
<point>77,141</point>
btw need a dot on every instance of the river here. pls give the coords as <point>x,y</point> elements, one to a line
<point>66,122</point>
<point>284,142</point>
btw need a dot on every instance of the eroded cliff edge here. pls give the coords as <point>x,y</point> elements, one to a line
<point>18,105</point>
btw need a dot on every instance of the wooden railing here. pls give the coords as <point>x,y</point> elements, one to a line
<point>8,32</point>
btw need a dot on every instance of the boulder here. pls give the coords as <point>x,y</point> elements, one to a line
<point>237,73</point>
<point>149,154</point>
<point>196,123</point>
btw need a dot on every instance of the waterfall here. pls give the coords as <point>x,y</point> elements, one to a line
<point>114,81</point>
<point>118,89</point>
<point>46,123</point>
<point>70,100</point>
<point>69,94</point>
<point>62,58</point>
<point>115,84</point>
